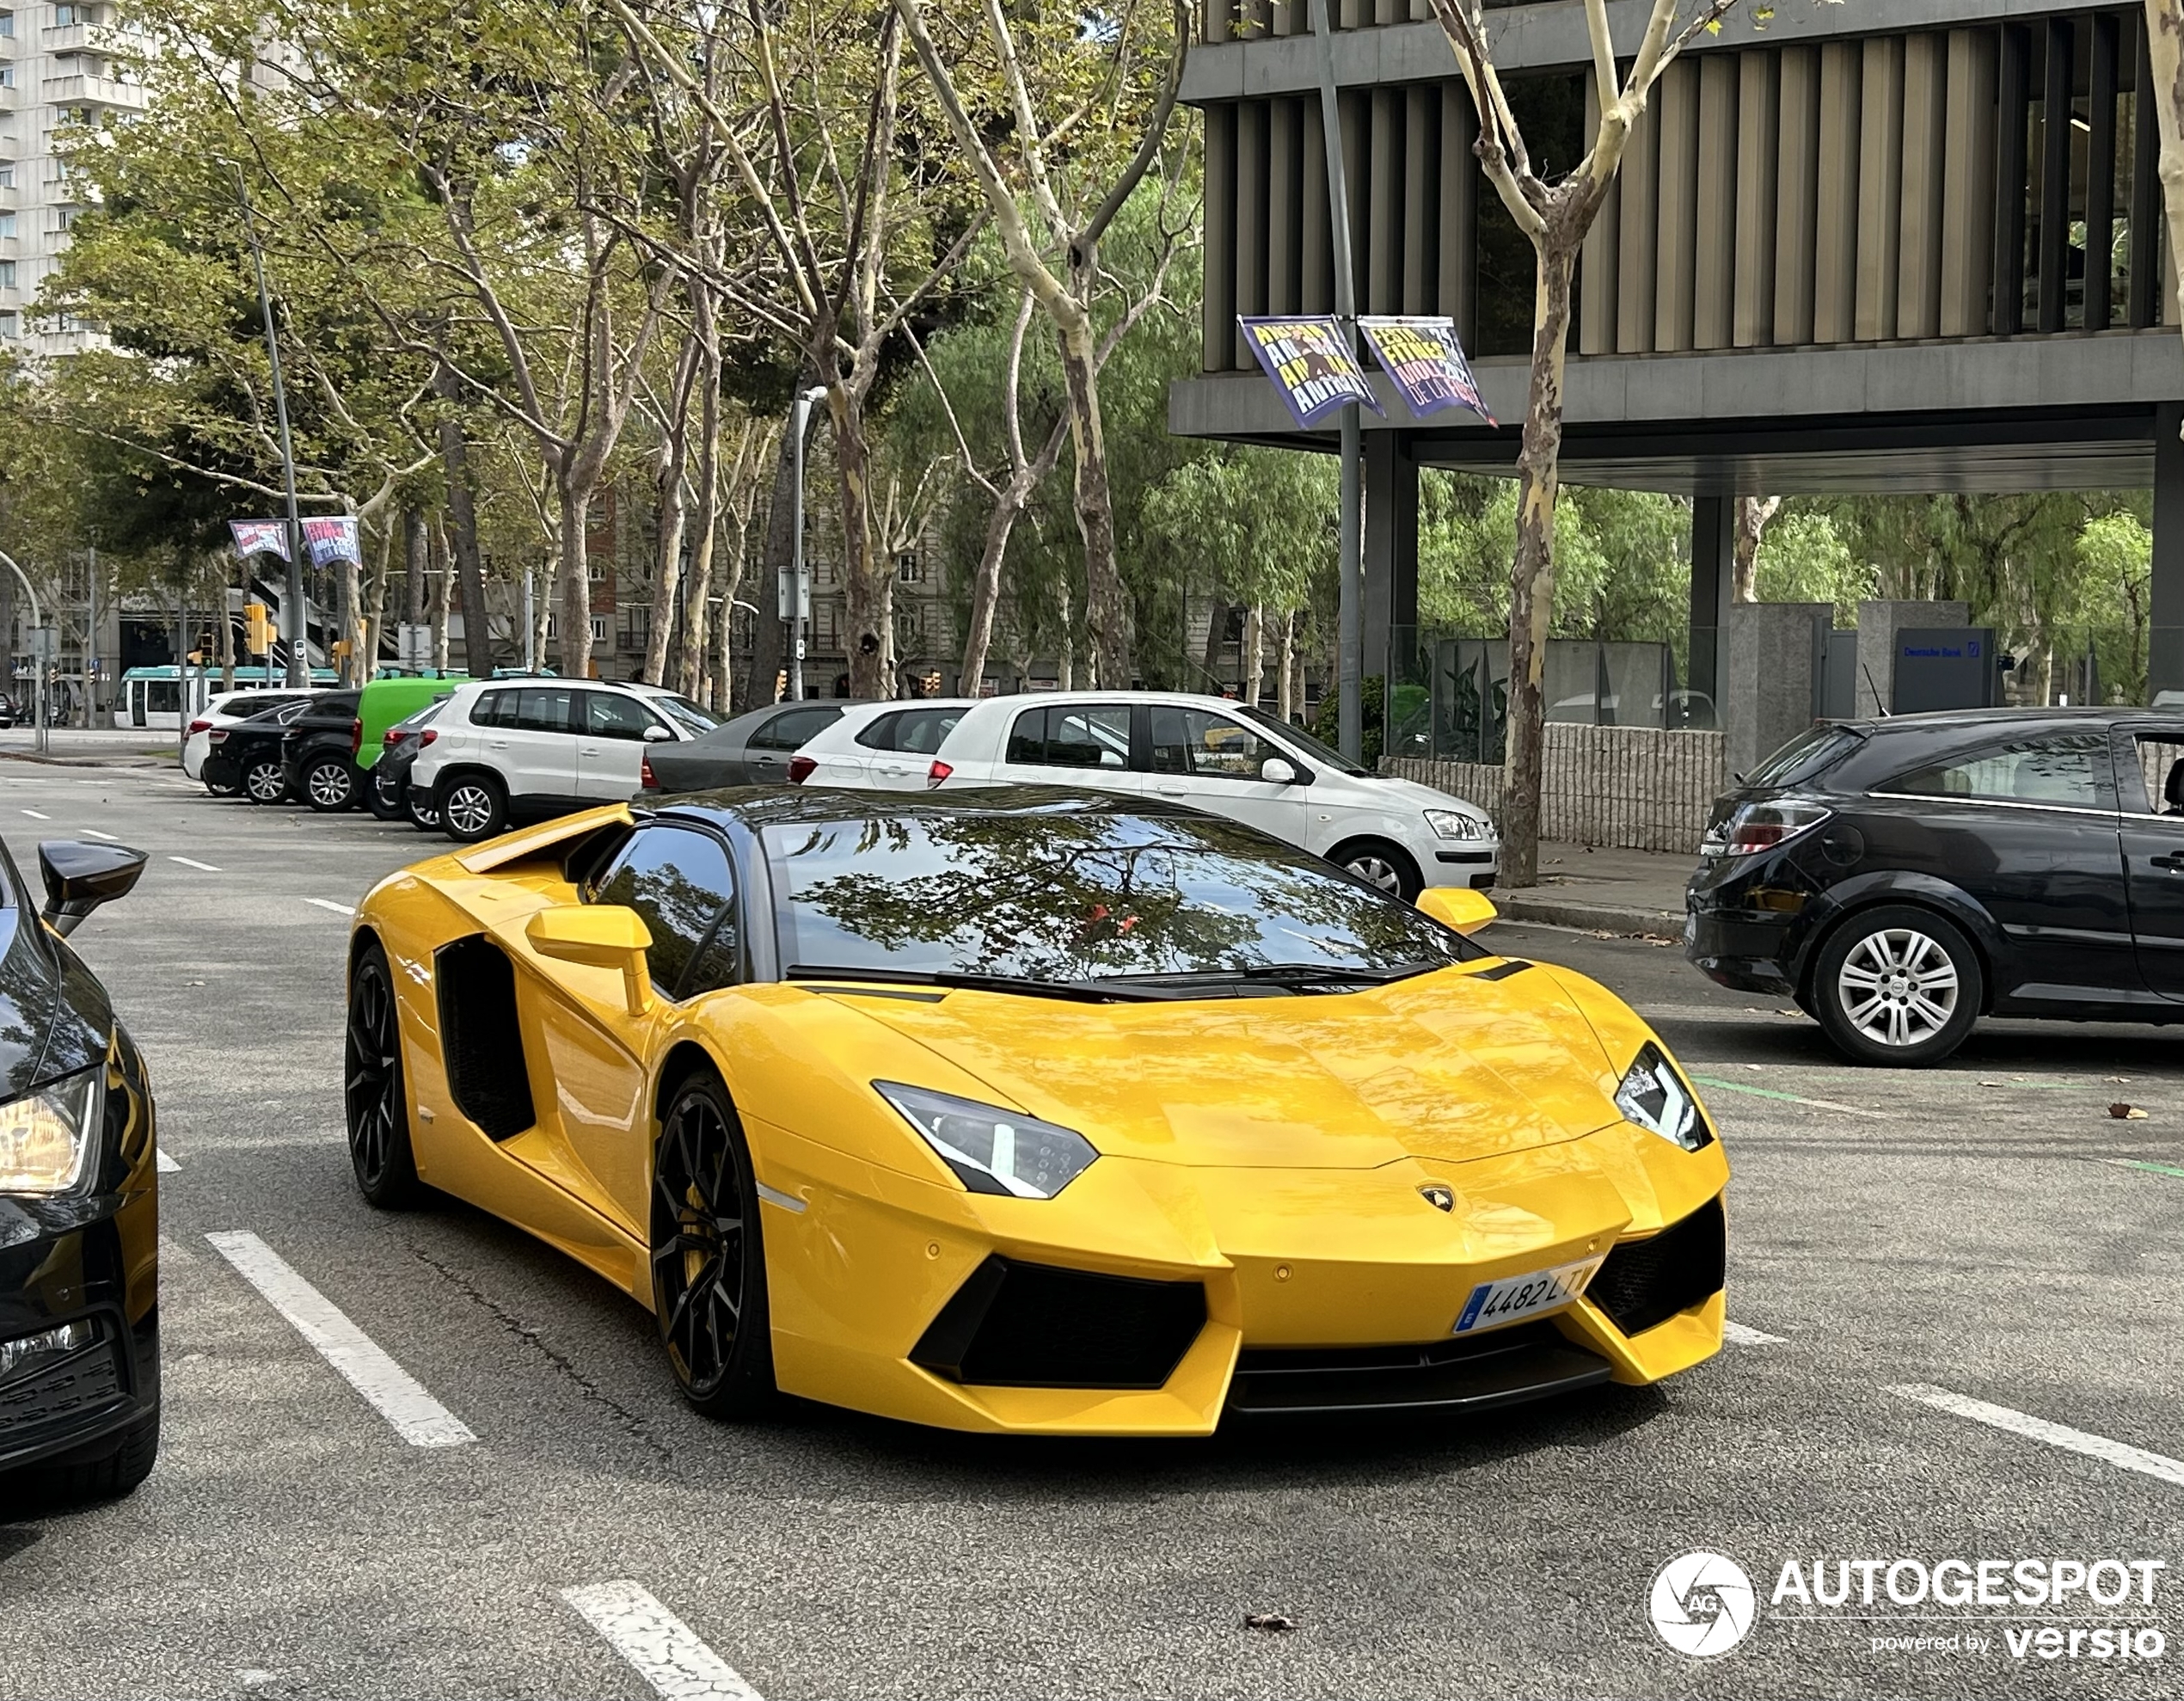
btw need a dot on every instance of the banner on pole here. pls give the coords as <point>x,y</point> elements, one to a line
<point>260,537</point>
<point>1425,361</point>
<point>1309,360</point>
<point>333,539</point>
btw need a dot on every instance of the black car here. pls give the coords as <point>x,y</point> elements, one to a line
<point>245,758</point>
<point>752,749</point>
<point>318,752</point>
<point>1900,878</point>
<point>389,794</point>
<point>7,711</point>
<point>79,1199</point>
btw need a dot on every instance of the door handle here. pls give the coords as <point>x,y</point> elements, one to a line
<point>496,744</point>
<point>1175,791</point>
<point>2173,863</point>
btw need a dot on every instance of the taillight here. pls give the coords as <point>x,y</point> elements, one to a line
<point>801,768</point>
<point>936,773</point>
<point>197,727</point>
<point>426,737</point>
<point>356,738</point>
<point>1762,826</point>
<point>393,736</point>
<point>646,778</point>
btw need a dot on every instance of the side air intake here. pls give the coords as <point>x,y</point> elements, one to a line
<point>481,1037</point>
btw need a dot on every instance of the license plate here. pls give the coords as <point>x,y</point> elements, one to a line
<point>1524,1296</point>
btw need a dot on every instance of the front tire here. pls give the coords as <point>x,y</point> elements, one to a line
<point>1378,862</point>
<point>330,787</point>
<point>471,806</point>
<point>708,1266</point>
<point>373,1090</point>
<point>1897,984</point>
<point>264,781</point>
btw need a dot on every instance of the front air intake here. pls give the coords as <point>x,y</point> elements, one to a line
<point>1017,1325</point>
<point>1646,1282</point>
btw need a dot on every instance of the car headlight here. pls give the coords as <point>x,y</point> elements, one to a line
<point>1453,823</point>
<point>45,1137</point>
<point>990,1149</point>
<point>1653,1095</point>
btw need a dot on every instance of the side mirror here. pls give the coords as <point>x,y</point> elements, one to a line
<point>79,877</point>
<point>599,936</point>
<point>657,734</point>
<point>1276,769</point>
<point>1456,907</point>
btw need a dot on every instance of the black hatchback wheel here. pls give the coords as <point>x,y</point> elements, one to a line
<point>264,782</point>
<point>708,1271</point>
<point>1898,984</point>
<point>378,1106</point>
<point>330,786</point>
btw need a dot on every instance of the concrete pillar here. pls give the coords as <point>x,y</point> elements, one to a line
<point>1390,554</point>
<point>1968,179</point>
<point>1251,244</point>
<point>1597,259</point>
<point>1714,288</point>
<point>1770,672</point>
<point>1637,227</point>
<point>2165,641</point>
<point>1797,195</point>
<point>1835,239</point>
<point>1713,581</point>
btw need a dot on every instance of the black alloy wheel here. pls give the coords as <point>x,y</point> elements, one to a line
<point>423,814</point>
<point>382,807</point>
<point>330,785</point>
<point>708,1271</point>
<point>372,1075</point>
<point>263,781</point>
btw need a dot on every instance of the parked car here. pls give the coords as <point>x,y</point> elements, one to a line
<point>526,750</point>
<point>388,792</point>
<point>885,747</point>
<point>225,711</point>
<point>244,759</point>
<point>7,712</point>
<point>1900,878</point>
<point>1208,753</point>
<point>318,753</point>
<point>79,1200</point>
<point>383,703</point>
<point>754,748</point>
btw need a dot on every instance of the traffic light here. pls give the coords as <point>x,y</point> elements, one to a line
<point>259,639</point>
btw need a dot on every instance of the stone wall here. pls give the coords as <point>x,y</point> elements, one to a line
<point>1625,788</point>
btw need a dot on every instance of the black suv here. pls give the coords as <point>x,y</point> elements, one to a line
<point>1900,878</point>
<point>318,752</point>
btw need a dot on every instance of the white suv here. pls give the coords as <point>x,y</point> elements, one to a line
<point>1214,755</point>
<point>505,750</point>
<point>886,746</point>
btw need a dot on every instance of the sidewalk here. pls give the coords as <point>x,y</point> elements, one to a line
<point>98,747</point>
<point>1630,892</point>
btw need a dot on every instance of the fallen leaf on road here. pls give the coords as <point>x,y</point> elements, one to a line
<point>2126,1113</point>
<point>1789,1012</point>
<point>1755,1066</point>
<point>1268,1621</point>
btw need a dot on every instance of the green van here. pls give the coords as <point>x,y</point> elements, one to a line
<point>387,701</point>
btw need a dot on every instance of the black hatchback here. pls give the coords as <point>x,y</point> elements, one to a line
<point>1900,878</point>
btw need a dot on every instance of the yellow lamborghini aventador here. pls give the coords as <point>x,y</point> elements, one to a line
<point>1039,1111</point>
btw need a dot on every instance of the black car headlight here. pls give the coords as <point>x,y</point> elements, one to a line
<point>990,1149</point>
<point>46,1137</point>
<point>1653,1095</point>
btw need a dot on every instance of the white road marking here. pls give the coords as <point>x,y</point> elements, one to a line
<point>665,1651</point>
<point>192,862</point>
<point>419,1419</point>
<point>1743,1335</point>
<point>93,833</point>
<point>2118,1453</point>
<point>35,816</point>
<point>328,904</point>
<point>166,1165</point>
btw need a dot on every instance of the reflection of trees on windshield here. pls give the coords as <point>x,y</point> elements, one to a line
<point>1066,897</point>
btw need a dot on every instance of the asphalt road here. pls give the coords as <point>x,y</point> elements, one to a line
<point>1984,1229</point>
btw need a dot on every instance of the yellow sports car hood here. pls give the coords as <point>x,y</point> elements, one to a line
<point>1451,1065</point>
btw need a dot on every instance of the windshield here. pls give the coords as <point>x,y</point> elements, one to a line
<point>696,720</point>
<point>1803,756</point>
<point>1071,897</point>
<point>1303,741</point>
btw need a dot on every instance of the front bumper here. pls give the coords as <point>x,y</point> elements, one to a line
<point>93,1261</point>
<point>1196,1294</point>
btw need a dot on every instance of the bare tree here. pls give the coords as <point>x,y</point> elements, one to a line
<point>1752,514</point>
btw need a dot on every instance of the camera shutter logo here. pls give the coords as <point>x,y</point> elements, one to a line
<point>1702,1603</point>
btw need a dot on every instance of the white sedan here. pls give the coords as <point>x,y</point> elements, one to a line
<point>1212,754</point>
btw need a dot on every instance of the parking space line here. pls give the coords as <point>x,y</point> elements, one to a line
<point>1743,1335</point>
<point>192,862</point>
<point>328,904</point>
<point>665,1651</point>
<point>166,1165</point>
<point>93,833</point>
<point>2140,1164</point>
<point>1718,1085</point>
<point>2118,1453</point>
<point>398,1397</point>
<point>35,816</point>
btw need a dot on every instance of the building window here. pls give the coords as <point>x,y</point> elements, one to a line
<point>7,274</point>
<point>909,569</point>
<point>67,15</point>
<point>7,174</point>
<point>10,328</point>
<point>599,628</point>
<point>7,223</point>
<point>7,77</point>
<point>637,625</point>
<point>7,25</point>
<point>910,631</point>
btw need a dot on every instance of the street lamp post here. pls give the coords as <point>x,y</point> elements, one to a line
<point>1350,619</point>
<point>293,616</point>
<point>38,624</point>
<point>800,417</point>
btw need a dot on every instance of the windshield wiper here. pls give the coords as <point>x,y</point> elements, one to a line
<point>1083,991</point>
<point>1292,973</point>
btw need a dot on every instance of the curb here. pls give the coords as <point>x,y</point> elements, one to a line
<point>140,762</point>
<point>1592,917</point>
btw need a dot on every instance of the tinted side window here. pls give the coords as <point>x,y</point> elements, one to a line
<point>793,728</point>
<point>493,709</point>
<point>1210,747</point>
<point>680,882</point>
<point>541,711</point>
<point>1095,735</point>
<point>879,733</point>
<point>608,715</point>
<point>921,730</point>
<point>2071,770</point>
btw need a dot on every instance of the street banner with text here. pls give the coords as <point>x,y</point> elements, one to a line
<point>1426,360</point>
<point>1310,363</point>
<point>332,538</point>
<point>260,537</point>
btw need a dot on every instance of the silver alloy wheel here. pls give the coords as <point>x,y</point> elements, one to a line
<point>469,807</point>
<point>329,786</point>
<point>1897,987</point>
<point>266,783</point>
<point>1377,869</point>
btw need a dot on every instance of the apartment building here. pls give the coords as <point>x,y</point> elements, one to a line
<point>60,61</point>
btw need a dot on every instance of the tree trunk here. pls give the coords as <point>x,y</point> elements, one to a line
<point>1255,652</point>
<point>1532,583</point>
<point>223,636</point>
<point>462,521</point>
<point>1107,614</point>
<point>986,580</point>
<point>760,686</point>
<point>2165,59</point>
<point>869,587</point>
<point>356,667</point>
<point>1285,665</point>
<point>671,511</point>
<point>442,583</point>
<point>573,578</point>
<point>8,636</point>
<point>690,672</point>
<point>1216,629</point>
<point>1752,514</point>
<point>416,548</point>
<point>375,612</point>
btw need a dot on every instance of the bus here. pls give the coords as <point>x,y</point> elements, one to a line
<point>156,696</point>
